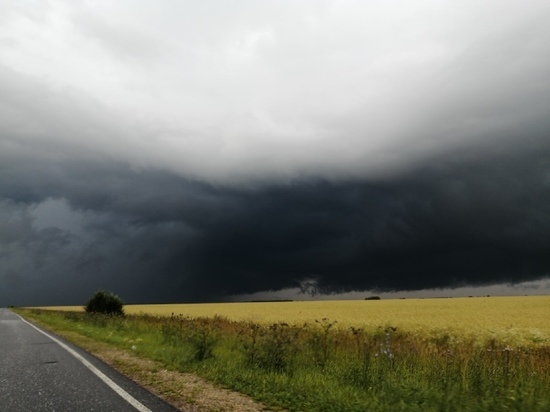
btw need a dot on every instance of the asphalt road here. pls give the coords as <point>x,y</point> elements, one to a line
<point>45,373</point>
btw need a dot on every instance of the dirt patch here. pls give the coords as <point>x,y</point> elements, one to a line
<point>185,391</point>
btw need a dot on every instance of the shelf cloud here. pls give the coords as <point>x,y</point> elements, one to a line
<point>193,152</point>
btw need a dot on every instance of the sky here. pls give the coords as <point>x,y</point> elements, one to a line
<point>184,151</point>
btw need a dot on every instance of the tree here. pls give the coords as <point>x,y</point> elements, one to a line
<point>105,302</point>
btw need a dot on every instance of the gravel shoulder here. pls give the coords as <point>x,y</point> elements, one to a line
<point>185,391</point>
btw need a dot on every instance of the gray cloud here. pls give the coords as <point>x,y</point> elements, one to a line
<point>477,217</point>
<point>183,151</point>
<point>307,88</point>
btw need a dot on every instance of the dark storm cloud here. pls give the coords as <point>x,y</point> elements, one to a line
<point>465,221</point>
<point>199,151</point>
<point>473,217</point>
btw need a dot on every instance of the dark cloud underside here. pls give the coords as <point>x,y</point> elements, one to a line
<point>473,217</point>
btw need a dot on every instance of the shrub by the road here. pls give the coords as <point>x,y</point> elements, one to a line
<point>105,302</point>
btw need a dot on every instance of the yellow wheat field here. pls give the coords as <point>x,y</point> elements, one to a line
<point>518,319</point>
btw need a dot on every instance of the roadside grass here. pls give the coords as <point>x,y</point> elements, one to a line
<point>318,367</point>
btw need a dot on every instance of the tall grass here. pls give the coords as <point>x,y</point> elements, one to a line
<point>318,367</point>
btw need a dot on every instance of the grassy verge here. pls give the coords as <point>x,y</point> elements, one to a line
<point>317,367</point>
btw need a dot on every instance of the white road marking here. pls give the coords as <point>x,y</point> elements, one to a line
<point>123,394</point>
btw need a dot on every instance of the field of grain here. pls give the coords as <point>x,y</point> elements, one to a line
<point>517,319</point>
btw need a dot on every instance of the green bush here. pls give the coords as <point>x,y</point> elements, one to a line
<point>106,303</point>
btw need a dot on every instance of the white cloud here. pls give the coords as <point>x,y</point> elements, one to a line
<point>228,91</point>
